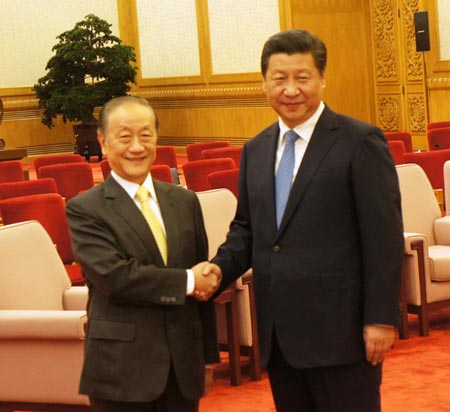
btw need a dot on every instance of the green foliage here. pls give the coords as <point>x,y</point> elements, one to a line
<point>90,66</point>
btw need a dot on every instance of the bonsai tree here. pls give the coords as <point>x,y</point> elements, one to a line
<point>90,66</point>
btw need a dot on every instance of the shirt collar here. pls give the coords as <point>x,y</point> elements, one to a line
<point>131,188</point>
<point>306,129</point>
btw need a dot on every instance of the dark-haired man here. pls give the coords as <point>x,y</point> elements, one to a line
<point>319,221</point>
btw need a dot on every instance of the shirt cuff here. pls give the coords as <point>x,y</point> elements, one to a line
<point>190,282</point>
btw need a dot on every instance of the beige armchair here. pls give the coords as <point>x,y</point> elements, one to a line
<point>42,320</point>
<point>235,307</point>
<point>426,266</point>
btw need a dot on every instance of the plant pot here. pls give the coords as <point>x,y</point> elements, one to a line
<point>86,143</point>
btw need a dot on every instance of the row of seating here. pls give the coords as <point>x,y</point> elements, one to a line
<point>438,136</point>
<point>432,162</point>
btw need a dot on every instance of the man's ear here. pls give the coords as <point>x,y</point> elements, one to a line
<point>101,140</point>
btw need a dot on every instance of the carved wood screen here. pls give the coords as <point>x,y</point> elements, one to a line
<point>399,71</point>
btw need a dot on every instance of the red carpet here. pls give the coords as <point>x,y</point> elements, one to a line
<point>416,377</point>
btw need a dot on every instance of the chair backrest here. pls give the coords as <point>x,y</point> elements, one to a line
<point>11,171</point>
<point>233,152</point>
<point>225,179</point>
<point>397,149</point>
<point>437,125</point>
<point>218,208</point>
<point>32,274</point>
<point>194,150</point>
<point>27,187</point>
<point>432,163</point>
<point>419,205</point>
<point>196,172</point>
<point>70,178</point>
<point>404,136</point>
<point>105,168</point>
<point>162,172</point>
<point>439,138</point>
<point>56,159</point>
<point>166,155</point>
<point>49,210</point>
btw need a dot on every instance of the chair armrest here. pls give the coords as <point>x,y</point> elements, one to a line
<point>442,231</point>
<point>411,240</point>
<point>42,324</point>
<point>243,280</point>
<point>75,298</point>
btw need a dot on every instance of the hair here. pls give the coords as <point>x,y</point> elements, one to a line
<point>295,41</point>
<point>119,101</point>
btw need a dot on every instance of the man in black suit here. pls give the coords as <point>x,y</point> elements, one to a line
<point>147,338</point>
<point>327,273</point>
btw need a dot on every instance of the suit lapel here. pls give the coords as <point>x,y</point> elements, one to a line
<point>321,141</point>
<point>127,210</point>
<point>265,178</point>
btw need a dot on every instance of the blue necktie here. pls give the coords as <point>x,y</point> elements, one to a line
<point>283,177</point>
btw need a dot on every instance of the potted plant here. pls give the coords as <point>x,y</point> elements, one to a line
<point>90,66</point>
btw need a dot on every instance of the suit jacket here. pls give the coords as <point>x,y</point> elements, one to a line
<point>139,317</point>
<point>334,265</point>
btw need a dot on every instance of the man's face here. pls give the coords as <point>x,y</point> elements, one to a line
<point>129,141</point>
<point>293,86</point>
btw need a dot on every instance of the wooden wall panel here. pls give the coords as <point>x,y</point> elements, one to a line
<point>344,27</point>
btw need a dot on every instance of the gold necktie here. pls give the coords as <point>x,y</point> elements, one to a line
<point>142,196</point>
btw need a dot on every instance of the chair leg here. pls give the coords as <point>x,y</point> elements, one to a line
<point>233,342</point>
<point>255,358</point>
<point>404,327</point>
<point>424,324</point>
<point>255,363</point>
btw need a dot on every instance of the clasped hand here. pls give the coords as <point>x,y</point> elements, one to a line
<point>207,280</point>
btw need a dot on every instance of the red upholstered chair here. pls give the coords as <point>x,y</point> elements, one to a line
<point>432,163</point>
<point>11,171</point>
<point>70,178</point>
<point>405,137</point>
<point>161,172</point>
<point>27,187</point>
<point>196,172</point>
<point>194,150</point>
<point>166,155</point>
<point>397,149</point>
<point>49,210</point>
<point>437,125</point>
<point>233,152</point>
<point>56,159</point>
<point>439,138</point>
<point>105,168</point>
<point>227,179</point>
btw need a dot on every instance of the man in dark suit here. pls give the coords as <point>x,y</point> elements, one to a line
<point>147,338</point>
<point>327,273</point>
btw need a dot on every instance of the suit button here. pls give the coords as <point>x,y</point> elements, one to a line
<point>276,248</point>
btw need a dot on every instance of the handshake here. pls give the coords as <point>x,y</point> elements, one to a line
<point>207,280</point>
